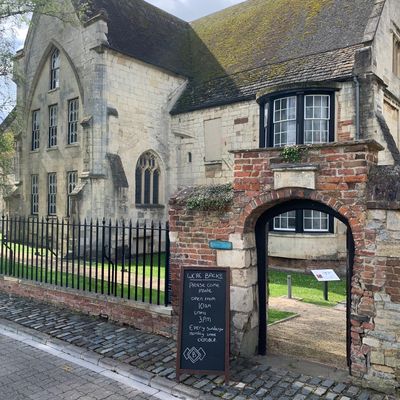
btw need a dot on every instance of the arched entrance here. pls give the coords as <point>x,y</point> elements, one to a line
<point>333,178</point>
<point>261,233</point>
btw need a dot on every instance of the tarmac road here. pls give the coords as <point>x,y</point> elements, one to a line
<point>30,373</point>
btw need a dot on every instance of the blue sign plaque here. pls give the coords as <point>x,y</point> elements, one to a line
<point>220,245</point>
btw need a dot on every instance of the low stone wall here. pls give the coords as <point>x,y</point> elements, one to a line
<point>146,317</point>
<point>305,266</point>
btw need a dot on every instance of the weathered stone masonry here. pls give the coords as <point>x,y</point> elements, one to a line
<point>338,174</point>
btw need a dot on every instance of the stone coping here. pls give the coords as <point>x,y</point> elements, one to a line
<point>294,167</point>
<point>371,145</point>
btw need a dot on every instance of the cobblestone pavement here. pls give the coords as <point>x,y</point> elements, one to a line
<point>27,373</point>
<point>156,354</point>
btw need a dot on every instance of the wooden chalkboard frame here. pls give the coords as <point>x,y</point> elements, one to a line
<point>225,372</point>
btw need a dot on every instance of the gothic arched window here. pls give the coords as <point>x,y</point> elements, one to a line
<point>147,177</point>
<point>55,69</point>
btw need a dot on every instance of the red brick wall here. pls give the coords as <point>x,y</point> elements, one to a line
<point>139,316</point>
<point>393,279</point>
<point>340,184</point>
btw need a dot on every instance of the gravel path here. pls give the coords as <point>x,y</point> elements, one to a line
<point>317,334</point>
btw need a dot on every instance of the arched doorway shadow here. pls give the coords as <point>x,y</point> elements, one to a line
<point>261,233</point>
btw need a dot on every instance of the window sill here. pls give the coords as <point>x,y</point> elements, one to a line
<point>302,234</point>
<point>72,145</point>
<point>54,90</point>
<point>150,206</point>
<point>217,162</point>
<point>35,151</point>
<point>52,148</point>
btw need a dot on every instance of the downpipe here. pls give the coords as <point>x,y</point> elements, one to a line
<point>357,93</point>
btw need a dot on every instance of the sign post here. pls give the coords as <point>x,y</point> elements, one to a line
<point>203,337</point>
<point>325,275</point>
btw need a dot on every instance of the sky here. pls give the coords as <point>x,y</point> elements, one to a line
<point>190,10</point>
<point>187,10</point>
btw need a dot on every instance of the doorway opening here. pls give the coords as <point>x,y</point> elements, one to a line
<point>311,326</point>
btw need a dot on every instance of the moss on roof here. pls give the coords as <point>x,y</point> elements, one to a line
<point>231,54</point>
<point>260,32</point>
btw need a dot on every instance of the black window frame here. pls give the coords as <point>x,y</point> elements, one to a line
<point>55,62</point>
<point>72,182</point>
<point>73,110</point>
<point>35,194</point>
<point>300,226</point>
<point>148,180</point>
<point>266,138</point>
<point>52,193</point>
<point>53,126</point>
<point>35,130</point>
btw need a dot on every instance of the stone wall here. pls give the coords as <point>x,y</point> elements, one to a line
<point>240,126</point>
<point>340,176</point>
<point>317,246</point>
<point>389,24</point>
<point>142,96</point>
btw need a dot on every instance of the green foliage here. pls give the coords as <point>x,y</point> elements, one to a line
<point>6,158</point>
<point>292,154</point>
<point>54,8</point>
<point>211,198</point>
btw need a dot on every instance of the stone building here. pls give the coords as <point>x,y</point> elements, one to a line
<point>116,120</point>
<point>128,104</point>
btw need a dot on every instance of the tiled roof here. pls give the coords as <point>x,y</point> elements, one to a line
<point>117,171</point>
<point>231,54</point>
<point>321,67</point>
<point>140,30</point>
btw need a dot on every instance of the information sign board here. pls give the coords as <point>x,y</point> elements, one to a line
<point>203,337</point>
<point>325,275</point>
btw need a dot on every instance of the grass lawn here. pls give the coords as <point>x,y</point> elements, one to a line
<point>306,287</point>
<point>277,315</point>
<point>148,269</point>
<point>90,284</point>
<point>26,251</point>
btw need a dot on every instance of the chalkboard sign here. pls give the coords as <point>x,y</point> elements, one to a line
<point>203,339</point>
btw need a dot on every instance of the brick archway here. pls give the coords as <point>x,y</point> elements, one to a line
<point>334,175</point>
<point>261,203</point>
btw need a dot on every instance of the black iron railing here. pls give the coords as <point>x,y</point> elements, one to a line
<point>126,260</point>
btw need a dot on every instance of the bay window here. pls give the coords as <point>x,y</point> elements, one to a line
<point>305,117</point>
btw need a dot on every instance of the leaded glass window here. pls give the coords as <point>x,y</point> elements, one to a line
<point>147,176</point>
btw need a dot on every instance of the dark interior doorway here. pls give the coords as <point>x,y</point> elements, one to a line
<point>261,231</point>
